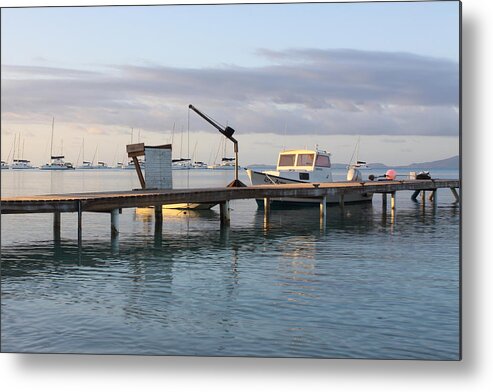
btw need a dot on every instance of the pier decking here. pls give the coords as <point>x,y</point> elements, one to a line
<point>112,202</point>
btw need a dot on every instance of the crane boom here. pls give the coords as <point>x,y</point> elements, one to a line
<point>228,132</point>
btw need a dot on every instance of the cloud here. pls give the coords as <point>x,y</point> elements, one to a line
<point>302,91</point>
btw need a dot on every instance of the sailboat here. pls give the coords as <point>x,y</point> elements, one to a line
<point>85,164</point>
<point>226,163</point>
<point>20,163</point>
<point>56,161</point>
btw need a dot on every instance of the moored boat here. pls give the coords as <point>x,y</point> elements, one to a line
<point>21,164</point>
<point>305,166</point>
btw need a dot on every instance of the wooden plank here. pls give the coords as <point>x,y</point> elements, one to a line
<point>134,150</point>
<point>107,201</point>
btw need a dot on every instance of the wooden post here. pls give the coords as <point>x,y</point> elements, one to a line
<point>433,197</point>
<point>456,195</point>
<point>415,195</point>
<point>384,201</point>
<point>266,209</point>
<point>423,196</point>
<point>56,225</point>
<point>392,207</point>
<point>79,223</point>
<point>225,213</point>
<point>341,200</point>
<point>115,222</point>
<point>158,214</point>
<point>139,172</point>
<point>323,212</point>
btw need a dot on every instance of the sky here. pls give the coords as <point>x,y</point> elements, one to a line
<point>282,75</point>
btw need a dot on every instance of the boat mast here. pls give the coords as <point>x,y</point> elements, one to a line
<point>52,130</point>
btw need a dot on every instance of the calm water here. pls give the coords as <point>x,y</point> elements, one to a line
<point>366,287</point>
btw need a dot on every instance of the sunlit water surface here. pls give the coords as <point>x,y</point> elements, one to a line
<point>368,286</point>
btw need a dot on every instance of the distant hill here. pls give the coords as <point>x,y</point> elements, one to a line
<point>449,163</point>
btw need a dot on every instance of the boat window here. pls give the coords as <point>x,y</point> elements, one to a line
<point>322,161</point>
<point>305,160</point>
<point>286,160</point>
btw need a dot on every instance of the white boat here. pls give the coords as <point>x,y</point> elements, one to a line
<point>21,164</point>
<point>199,165</point>
<point>181,164</point>
<point>5,165</point>
<point>131,165</point>
<point>102,166</point>
<point>226,164</point>
<point>305,166</point>
<point>57,163</point>
<point>85,165</point>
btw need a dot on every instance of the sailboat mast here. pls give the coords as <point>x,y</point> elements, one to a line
<point>52,130</point>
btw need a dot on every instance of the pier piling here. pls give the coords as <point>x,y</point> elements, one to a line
<point>79,222</point>
<point>56,225</point>
<point>323,212</point>
<point>384,202</point>
<point>224,212</point>
<point>392,201</point>
<point>115,222</point>
<point>266,209</point>
<point>158,218</point>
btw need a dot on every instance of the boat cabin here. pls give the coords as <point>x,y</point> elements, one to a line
<point>306,160</point>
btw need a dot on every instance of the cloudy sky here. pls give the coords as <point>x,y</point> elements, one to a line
<point>284,76</point>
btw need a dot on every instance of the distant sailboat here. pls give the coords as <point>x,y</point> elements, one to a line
<point>20,163</point>
<point>85,164</point>
<point>56,161</point>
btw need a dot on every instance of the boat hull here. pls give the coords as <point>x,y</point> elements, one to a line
<point>189,206</point>
<point>260,178</point>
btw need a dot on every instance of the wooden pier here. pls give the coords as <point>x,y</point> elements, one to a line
<point>114,202</point>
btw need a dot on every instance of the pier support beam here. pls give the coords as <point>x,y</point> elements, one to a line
<point>323,212</point>
<point>158,217</point>
<point>266,209</point>
<point>423,197</point>
<point>415,195</point>
<point>456,195</point>
<point>392,201</point>
<point>57,226</point>
<point>224,212</point>
<point>115,222</point>
<point>433,197</point>
<point>341,200</point>
<point>79,223</point>
<point>384,202</point>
